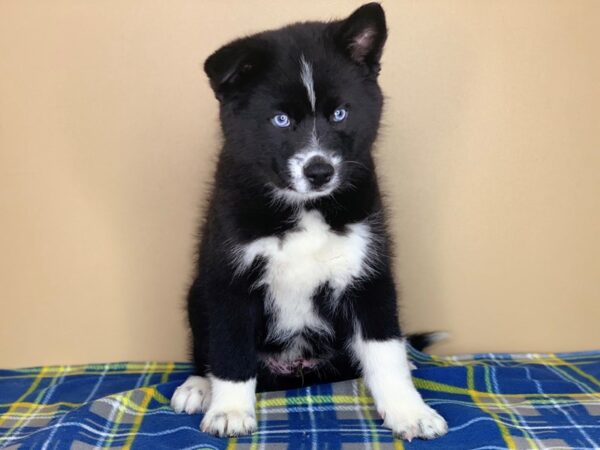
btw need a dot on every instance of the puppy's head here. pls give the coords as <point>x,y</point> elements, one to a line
<point>300,106</point>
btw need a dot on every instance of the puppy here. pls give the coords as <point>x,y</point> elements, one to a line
<point>294,282</point>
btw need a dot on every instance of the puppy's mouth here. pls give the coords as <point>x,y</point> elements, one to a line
<point>313,174</point>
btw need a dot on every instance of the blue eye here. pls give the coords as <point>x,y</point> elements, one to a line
<point>339,115</point>
<point>281,121</point>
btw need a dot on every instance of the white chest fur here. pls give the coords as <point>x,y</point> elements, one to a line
<point>303,259</point>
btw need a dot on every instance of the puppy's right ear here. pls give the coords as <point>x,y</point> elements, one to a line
<point>234,66</point>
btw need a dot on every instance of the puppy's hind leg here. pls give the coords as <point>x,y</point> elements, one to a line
<point>194,395</point>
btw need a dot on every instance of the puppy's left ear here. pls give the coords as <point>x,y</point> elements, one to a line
<point>362,35</point>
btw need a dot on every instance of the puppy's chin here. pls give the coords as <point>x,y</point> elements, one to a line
<point>294,196</point>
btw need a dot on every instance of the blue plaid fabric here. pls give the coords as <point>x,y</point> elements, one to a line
<point>494,401</point>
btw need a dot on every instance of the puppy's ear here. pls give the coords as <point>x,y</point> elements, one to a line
<point>234,66</point>
<point>362,35</point>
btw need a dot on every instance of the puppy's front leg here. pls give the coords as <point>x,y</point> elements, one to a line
<point>231,412</point>
<point>232,362</point>
<point>386,372</point>
<point>381,354</point>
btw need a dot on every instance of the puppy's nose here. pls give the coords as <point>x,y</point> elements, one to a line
<point>318,171</point>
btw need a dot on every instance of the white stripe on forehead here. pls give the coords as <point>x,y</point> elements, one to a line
<point>306,75</point>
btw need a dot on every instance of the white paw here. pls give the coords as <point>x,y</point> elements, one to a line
<point>193,396</point>
<point>228,423</point>
<point>410,422</point>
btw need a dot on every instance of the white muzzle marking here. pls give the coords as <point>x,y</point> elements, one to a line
<point>301,188</point>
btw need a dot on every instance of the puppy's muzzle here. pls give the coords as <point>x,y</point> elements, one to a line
<point>318,171</point>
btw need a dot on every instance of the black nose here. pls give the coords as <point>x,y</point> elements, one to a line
<point>318,171</point>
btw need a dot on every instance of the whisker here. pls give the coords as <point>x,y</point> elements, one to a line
<point>358,163</point>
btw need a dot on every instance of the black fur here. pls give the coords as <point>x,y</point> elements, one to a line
<point>421,341</point>
<point>254,78</point>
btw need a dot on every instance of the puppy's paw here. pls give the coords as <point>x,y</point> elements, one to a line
<point>228,423</point>
<point>412,421</point>
<point>193,396</point>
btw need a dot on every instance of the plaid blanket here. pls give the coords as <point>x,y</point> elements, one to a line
<point>525,401</point>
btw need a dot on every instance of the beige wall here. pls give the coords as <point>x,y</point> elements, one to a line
<point>490,153</point>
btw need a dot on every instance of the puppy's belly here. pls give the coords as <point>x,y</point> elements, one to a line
<point>300,354</point>
<point>283,366</point>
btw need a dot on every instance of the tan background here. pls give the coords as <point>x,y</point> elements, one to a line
<point>490,153</point>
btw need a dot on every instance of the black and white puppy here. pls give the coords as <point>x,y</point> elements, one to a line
<point>294,283</point>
